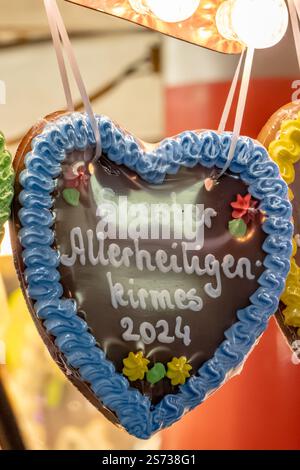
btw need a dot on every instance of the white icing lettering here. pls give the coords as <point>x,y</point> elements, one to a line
<point>114,251</point>
<point>185,335</point>
<point>142,255</point>
<point>133,302</point>
<point>242,270</point>
<point>195,303</point>
<point>164,337</point>
<point>148,333</point>
<point>212,268</point>
<point>161,300</point>
<point>116,293</point>
<point>78,249</point>
<point>142,295</point>
<point>93,260</point>
<point>161,259</point>
<point>128,335</point>
<point>228,263</point>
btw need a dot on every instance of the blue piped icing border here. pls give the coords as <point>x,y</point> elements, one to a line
<point>59,315</point>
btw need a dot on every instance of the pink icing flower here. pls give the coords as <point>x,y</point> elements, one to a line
<point>77,176</point>
<point>244,208</point>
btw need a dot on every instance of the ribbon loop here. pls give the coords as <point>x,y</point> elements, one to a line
<point>61,41</point>
<point>230,98</point>
<point>241,104</point>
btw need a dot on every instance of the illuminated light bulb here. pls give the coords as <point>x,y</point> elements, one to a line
<point>224,22</point>
<point>173,11</point>
<point>256,23</point>
<point>140,6</point>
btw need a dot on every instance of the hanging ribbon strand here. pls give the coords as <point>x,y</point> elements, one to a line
<point>60,57</point>
<point>241,104</point>
<point>61,41</point>
<point>259,25</point>
<point>232,91</point>
<point>295,26</point>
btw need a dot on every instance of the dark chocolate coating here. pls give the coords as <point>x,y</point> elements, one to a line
<point>88,284</point>
<point>295,187</point>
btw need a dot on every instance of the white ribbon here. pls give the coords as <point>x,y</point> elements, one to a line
<point>230,98</point>
<point>240,106</point>
<point>61,41</point>
<point>294,8</point>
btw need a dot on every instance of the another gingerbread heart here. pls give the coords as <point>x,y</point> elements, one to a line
<point>149,286</point>
<point>6,184</point>
<point>281,135</point>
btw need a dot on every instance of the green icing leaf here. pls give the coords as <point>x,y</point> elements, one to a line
<point>71,196</point>
<point>156,374</point>
<point>237,228</point>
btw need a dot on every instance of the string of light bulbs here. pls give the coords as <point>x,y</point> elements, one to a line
<point>256,24</point>
<point>170,11</point>
<point>259,24</point>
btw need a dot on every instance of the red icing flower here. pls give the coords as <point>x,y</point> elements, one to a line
<point>77,176</point>
<point>244,208</point>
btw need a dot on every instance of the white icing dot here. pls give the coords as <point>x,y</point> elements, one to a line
<point>258,264</point>
<point>174,246</point>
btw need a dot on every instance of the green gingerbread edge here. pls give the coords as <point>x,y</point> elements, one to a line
<point>7,178</point>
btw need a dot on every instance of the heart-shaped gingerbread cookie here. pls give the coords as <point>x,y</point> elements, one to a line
<point>149,283</point>
<point>281,135</point>
<point>6,184</point>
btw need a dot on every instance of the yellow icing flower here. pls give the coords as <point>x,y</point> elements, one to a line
<point>135,366</point>
<point>291,296</point>
<point>178,370</point>
<point>285,151</point>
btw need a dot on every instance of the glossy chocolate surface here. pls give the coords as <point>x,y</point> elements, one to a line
<point>89,286</point>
